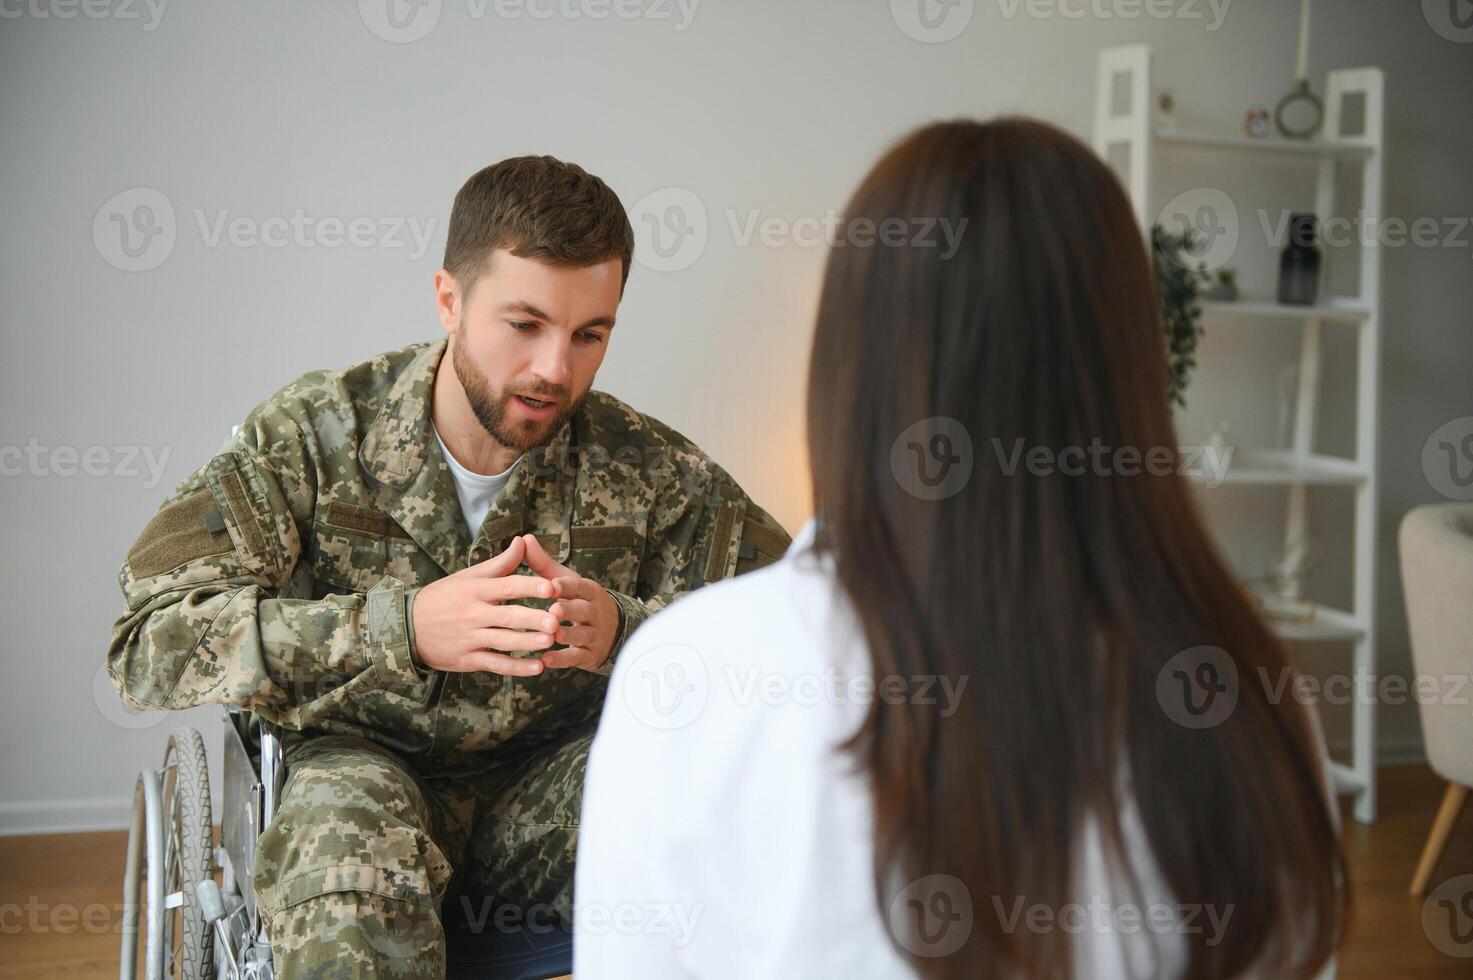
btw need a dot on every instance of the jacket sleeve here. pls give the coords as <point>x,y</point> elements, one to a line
<point>700,531</point>
<point>218,601</point>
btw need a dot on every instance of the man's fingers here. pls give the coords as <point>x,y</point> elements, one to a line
<point>567,657</point>
<point>575,586</point>
<point>502,639</point>
<point>518,587</point>
<point>500,663</point>
<point>572,610</point>
<point>515,618</point>
<point>505,563</point>
<point>576,636</point>
<point>540,561</point>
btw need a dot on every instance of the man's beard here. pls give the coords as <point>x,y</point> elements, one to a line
<point>491,411</point>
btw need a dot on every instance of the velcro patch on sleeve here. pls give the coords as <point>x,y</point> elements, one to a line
<point>763,538</point>
<point>716,564</point>
<point>186,530</point>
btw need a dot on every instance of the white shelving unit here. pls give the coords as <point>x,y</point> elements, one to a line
<point>1125,125</point>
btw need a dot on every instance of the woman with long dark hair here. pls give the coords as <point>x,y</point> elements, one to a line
<point>1042,737</point>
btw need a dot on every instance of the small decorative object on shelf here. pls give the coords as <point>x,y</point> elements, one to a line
<point>1225,287</point>
<point>1219,442</point>
<point>1258,122</point>
<point>1179,284</point>
<point>1165,111</point>
<point>1299,114</point>
<point>1278,595</point>
<point>1299,266</point>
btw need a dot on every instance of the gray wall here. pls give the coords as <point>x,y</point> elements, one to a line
<point>255,111</point>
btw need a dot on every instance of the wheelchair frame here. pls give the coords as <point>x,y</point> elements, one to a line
<point>252,789</point>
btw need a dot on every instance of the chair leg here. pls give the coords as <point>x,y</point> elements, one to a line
<point>1442,827</point>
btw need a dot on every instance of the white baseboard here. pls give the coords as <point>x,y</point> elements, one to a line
<point>65,816</point>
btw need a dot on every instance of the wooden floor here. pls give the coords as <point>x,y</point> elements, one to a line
<point>59,894</point>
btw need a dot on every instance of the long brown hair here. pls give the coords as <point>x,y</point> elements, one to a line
<point>1061,592</point>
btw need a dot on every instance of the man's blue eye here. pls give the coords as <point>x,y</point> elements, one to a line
<point>523,326</point>
<point>590,337</point>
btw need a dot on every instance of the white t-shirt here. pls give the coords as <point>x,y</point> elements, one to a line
<point>721,836</point>
<point>477,493</point>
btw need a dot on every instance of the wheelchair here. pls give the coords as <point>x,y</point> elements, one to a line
<point>197,925</point>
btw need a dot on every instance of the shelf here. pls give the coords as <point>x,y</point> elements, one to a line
<point>1335,308</point>
<point>1346,781</point>
<point>1328,625</point>
<point>1348,151</point>
<point>1279,467</point>
<point>1267,144</point>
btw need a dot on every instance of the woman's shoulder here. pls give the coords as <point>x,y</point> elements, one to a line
<point>762,659</point>
<point>774,613</point>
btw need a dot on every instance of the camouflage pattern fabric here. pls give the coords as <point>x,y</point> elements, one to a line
<point>355,868</point>
<point>280,576</point>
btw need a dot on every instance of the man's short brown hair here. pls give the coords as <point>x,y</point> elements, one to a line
<point>537,208</point>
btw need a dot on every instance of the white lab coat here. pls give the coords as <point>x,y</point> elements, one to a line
<point>722,836</point>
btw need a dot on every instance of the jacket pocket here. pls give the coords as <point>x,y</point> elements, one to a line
<point>351,545</point>
<point>607,553</point>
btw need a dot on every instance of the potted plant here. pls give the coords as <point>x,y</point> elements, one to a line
<point>1180,286</point>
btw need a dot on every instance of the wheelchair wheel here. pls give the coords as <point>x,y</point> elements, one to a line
<point>172,843</point>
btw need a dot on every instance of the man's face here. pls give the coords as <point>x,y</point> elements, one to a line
<point>528,340</point>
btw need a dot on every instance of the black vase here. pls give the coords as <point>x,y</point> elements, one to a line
<point>1299,266</point>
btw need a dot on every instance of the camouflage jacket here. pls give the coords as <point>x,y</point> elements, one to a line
<point>279,575</point>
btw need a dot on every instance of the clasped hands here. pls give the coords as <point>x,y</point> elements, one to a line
<point>463,622</point>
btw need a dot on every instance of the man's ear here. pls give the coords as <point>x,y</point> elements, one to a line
<point>448,300</point>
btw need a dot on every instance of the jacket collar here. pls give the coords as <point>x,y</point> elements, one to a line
<point>418,490</point>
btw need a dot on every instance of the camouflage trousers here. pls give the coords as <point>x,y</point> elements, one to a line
<point>353,869</point>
